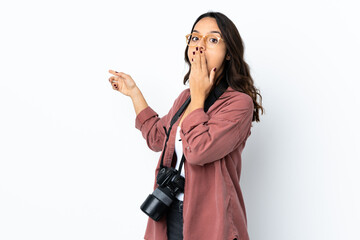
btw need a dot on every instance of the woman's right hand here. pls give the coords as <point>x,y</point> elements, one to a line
<point>122,82</point>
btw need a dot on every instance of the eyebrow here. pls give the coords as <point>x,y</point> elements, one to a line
<point>208,32</point>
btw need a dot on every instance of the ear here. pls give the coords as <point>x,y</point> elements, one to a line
<point>227,57</point>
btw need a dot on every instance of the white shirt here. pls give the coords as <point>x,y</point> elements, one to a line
<point>179,153</point>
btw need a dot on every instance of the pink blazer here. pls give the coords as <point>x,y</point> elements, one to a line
<point>213,207</point>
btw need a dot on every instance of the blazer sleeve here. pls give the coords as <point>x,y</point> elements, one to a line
<point>152,126</point>
<point>208,139</point>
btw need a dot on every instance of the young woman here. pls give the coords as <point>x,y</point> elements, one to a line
<point>211,206</point>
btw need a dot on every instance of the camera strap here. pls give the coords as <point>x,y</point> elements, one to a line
<point>213,96</point>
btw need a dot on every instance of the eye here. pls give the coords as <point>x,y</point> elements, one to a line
<point>213,40</point>
<point>192,39</point>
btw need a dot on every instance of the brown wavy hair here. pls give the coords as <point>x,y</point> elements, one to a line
<point>236,70</point>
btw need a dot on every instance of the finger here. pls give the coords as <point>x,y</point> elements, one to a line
<point>212,75</point>
<point>112,79</point>
<point>115,86</point>
<point>192,57</point>
<point>197,57</point>
<point>196,62</point>
<point>120,74</point>
<point>203,61</point>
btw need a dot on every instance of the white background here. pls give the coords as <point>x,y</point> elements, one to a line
<point>73,165</point>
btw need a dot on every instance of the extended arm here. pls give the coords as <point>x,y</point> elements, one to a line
<point>138,100</point>
<point>150,125</point>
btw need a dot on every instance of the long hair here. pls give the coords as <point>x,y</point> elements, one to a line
<point>236,70</point>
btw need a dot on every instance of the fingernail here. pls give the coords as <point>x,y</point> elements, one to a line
<point>197,48</point>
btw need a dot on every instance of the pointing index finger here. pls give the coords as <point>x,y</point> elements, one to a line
<point>120,74</point>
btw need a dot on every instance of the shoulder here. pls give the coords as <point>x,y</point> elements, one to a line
<point>184,94</point>
<point>181,98</point>
<point>237,99</point>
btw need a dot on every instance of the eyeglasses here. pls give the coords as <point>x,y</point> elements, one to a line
<point>211,40</point>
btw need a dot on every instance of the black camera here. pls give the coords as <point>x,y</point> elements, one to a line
<point>170,184</point>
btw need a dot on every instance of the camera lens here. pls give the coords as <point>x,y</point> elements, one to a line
<point>170,184</point>
<point>153,207</point>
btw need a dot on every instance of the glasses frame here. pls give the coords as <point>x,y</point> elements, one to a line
<point>202,37</point>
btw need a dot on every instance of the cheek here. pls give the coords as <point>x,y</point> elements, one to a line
<point>215,60</point>
<point>211,60</point>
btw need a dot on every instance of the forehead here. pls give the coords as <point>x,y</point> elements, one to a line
<point>206,25</point>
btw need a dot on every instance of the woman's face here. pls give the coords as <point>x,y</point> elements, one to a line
<point>214,56</point>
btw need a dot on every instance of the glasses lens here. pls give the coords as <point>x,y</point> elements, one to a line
<point>194,38</point>
<point>212,40</point>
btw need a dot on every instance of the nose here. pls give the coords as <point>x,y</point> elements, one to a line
<point>202,44</point>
